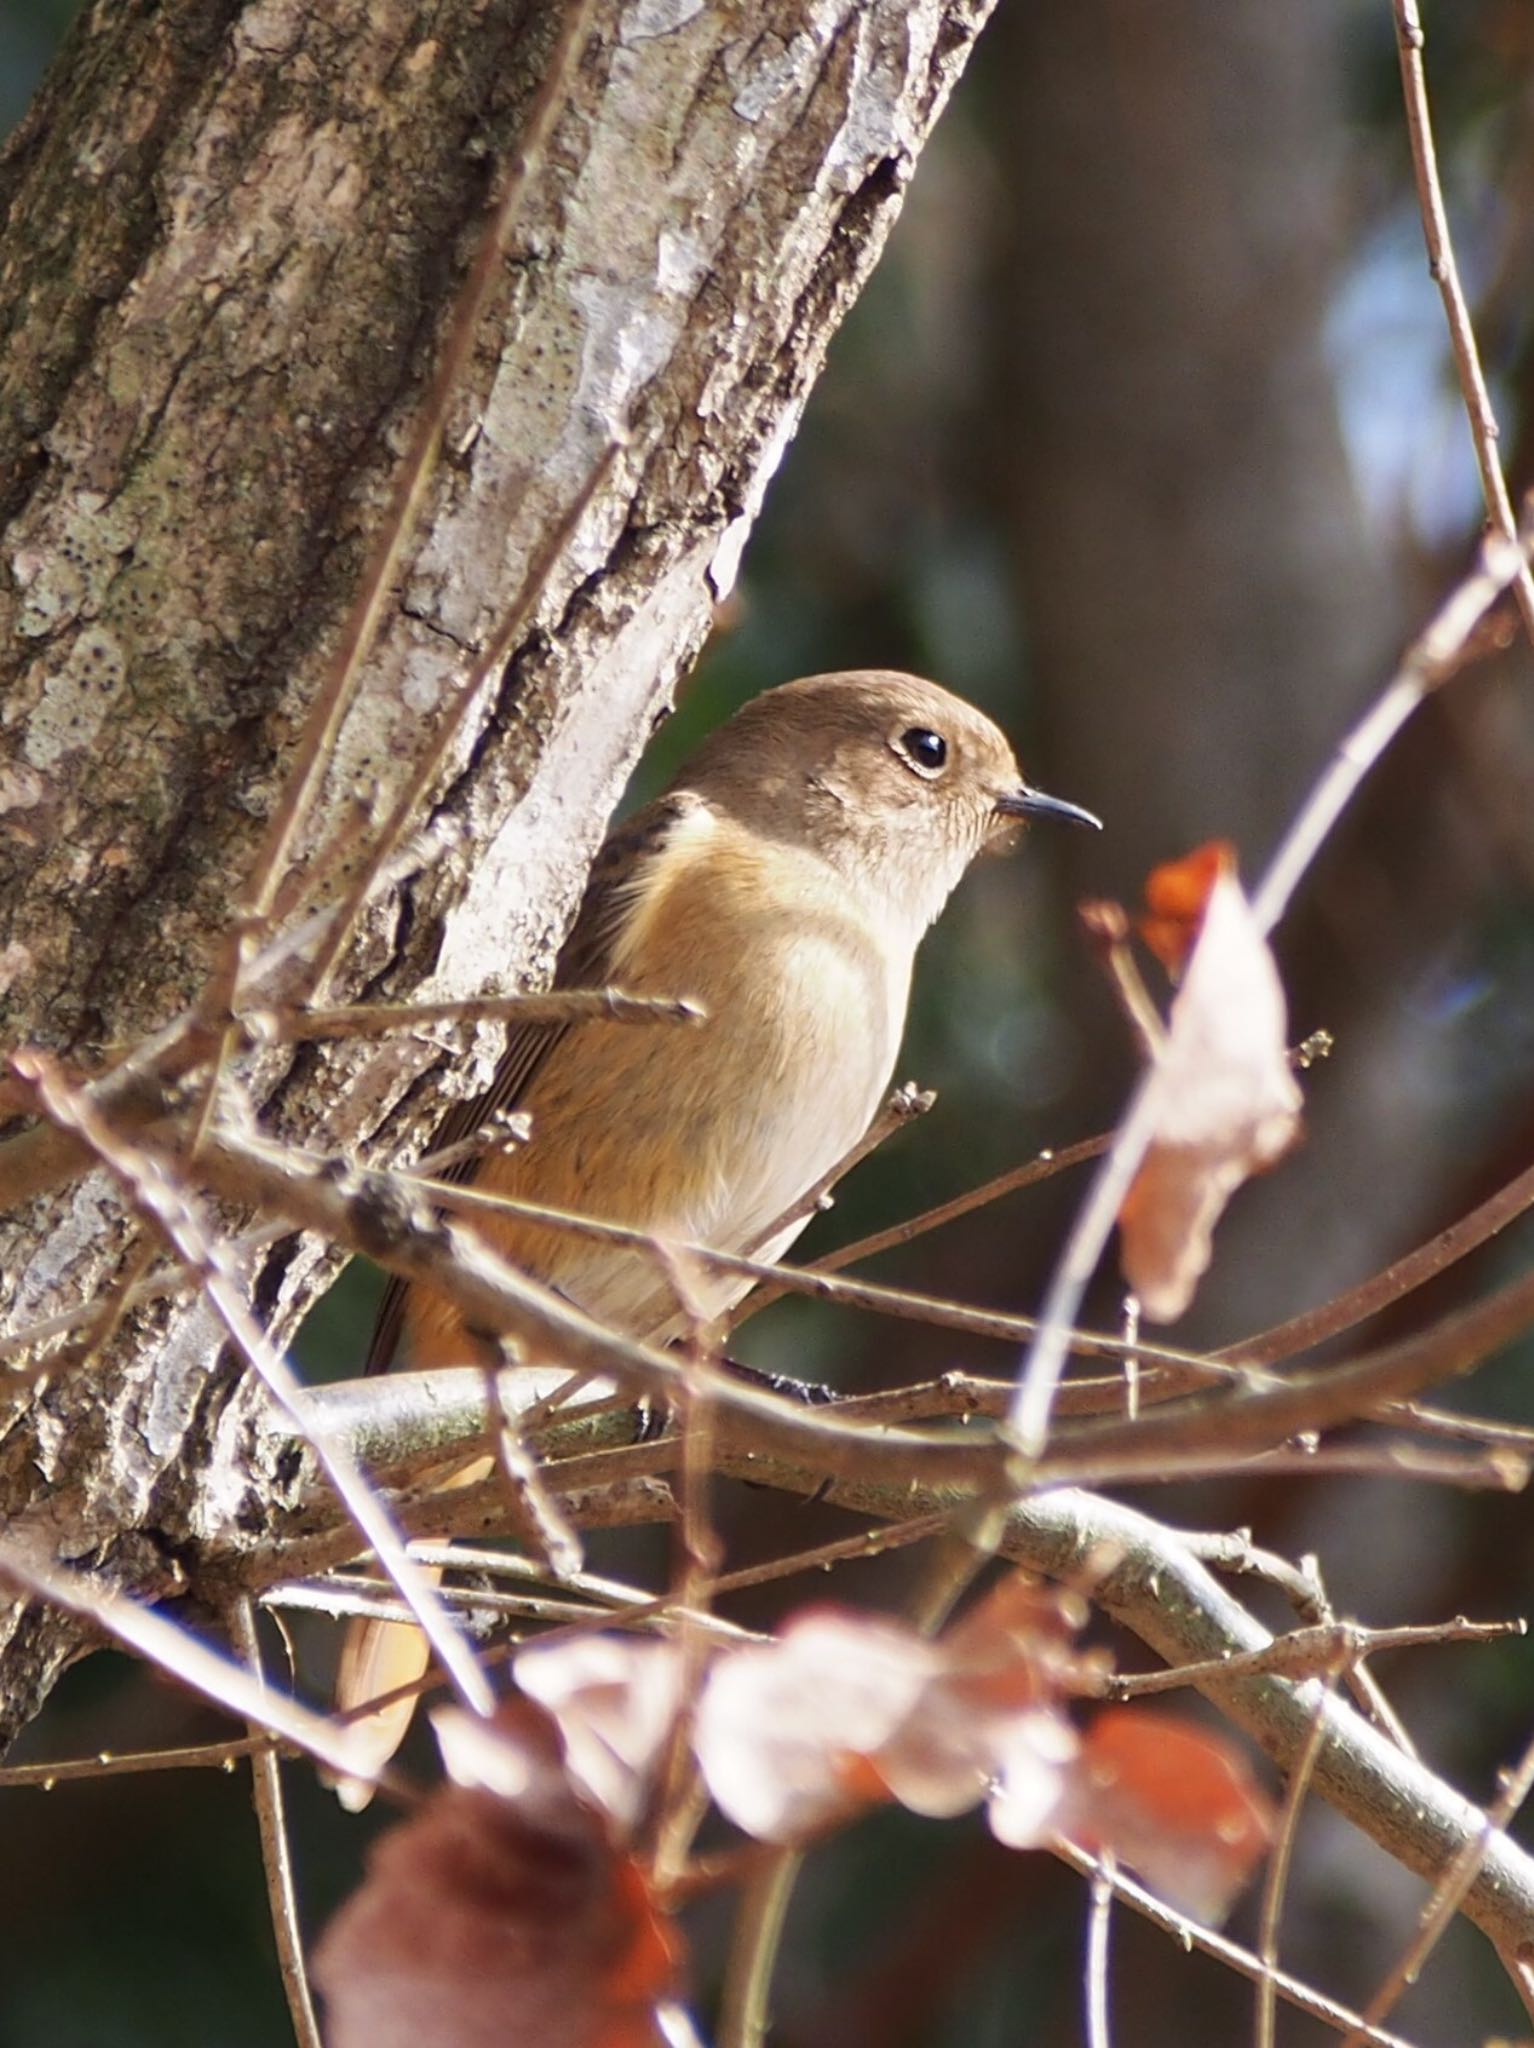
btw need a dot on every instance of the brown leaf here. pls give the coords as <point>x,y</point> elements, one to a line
<point>500,1915</point>
<point>1173,1802</point>
<point>1225,1103</point>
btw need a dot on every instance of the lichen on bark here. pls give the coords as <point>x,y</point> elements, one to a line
<point>234,238</point>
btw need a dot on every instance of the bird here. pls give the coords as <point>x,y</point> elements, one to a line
<point>782,884</point>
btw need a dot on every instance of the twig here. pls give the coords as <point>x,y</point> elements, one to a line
<point>902,1106</point>
<point>1042,1167</point>
<point>965,1393</point>
<point>1495,1471</point>
<point>276,1856</point>
<point>1275,1410</point>
<point>182,1655</point>
<point>1301,1585</point>
<point>621,1606</point>
<point>1276,1877</point>
<point>1156,1589</point>
<point>681,1801</point>
<point>1484,432</point>
<point>1183,1367</point>
<point>1099,1922</point>
<point>362,1210</point>
<point>1436,655</point>
<point>1512,1436</point>
<point>541,1523</point>
<point>1450,1890</point>
<point>559,1006</point>
<point>197,1756</point>
<point>1318,1652</point>
<point>346,1597</point>
<point>1189,1934</point>
<point>743,2004</point>
<point>1232,1550</point>
<point>1106,926</point>
<point>152,1187</point>
<point>1428,662</point>
<point>1381,1290</point>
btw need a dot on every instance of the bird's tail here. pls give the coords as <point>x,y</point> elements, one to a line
<point>378,1658</point>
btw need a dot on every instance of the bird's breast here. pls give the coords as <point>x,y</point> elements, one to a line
<point>711,1133</point>
<point>806,1002</point>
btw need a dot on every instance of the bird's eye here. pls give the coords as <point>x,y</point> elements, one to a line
<point>926,751</point>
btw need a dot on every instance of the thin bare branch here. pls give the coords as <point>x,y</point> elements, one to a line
<point>1434,657</point>
<point>743,2004</point>
<point>1302,1587</point>
<point>1158,1590</point>
<point>153,1188</point>
<point>1044,1166</point>
<point>901,1106</point>
<point>1484,432</point>
<point>1099,1922</point>
<point>1276,1878</point>
<point>1450,1890</point>
<point>1190,1935</point>
<point>364,1211</point>
<point>1381,1290</point>
<point>540,1523</point>
<point>197,1756</point>
<point>276,1855</point>
<point>1318,1652</point>
<point>1430,661</point>
<point>559,1006</point>
<point>1106,925</point>
<point>180,1655</point>
<point>1181,1368</point>
<point>1275,1410</point>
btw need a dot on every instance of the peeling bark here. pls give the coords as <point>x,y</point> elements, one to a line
<point>233,239</point>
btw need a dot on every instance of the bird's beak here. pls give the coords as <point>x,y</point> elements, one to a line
<point>1033,803</point>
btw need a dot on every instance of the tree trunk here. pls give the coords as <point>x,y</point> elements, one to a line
<point>235,236</point>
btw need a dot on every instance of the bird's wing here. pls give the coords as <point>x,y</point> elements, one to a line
<point>585,961</point>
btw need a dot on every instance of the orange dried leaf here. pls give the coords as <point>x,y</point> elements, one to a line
<point>1173,1802</point>
<point>1224,1101</point>
<point>1176,897</point>
<point>499,1915</point>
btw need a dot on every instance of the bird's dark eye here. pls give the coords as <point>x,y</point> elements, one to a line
<point>924,750</point>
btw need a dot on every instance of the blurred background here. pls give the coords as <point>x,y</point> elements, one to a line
<point>1146,437</point>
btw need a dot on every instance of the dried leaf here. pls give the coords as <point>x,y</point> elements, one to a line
<point>1173,1802</point>
<point>989,1723</point>
<point>500,1915</point>
<point>785,1729</point>
<point>615,1700</point>
<point>844,1710</point>
<point>1176,897</point>
<point>1224,1101</point>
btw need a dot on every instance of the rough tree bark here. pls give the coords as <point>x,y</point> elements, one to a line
<point>233,238</point>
